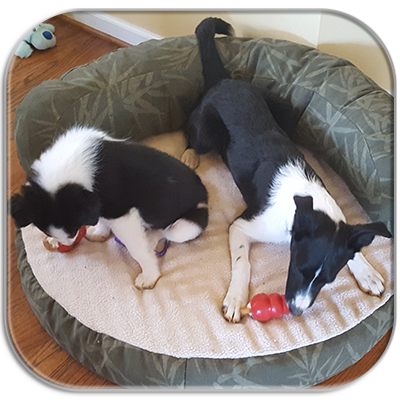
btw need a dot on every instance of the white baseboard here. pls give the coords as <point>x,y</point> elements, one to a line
<point>114,27</point>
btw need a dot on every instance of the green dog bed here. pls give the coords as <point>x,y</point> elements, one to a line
<point>146,90</point>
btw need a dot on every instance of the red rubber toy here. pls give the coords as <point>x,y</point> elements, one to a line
<point>264,307</point>
<point>64,249</point>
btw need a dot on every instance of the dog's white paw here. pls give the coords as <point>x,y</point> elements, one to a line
<point>371,282</point>
<point>52,242</point>
<point>146,281</point>
<point>190,158</point>
<point>233,302</point>
<point>93,234</point>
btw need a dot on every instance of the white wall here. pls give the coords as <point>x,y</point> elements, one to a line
<point>333,33</point>
<point>301,27</point>
<point>347,38</point>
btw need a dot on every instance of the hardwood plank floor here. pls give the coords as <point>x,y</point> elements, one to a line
<point>76,45</point>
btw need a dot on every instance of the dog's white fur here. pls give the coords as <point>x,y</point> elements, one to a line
<point>141,241</point>
<point>70,159</point>
<point>273,225</point>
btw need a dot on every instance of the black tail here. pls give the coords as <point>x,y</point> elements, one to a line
<point>213,69</point>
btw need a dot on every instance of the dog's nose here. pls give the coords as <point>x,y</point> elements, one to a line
<point>296,311</point>
<point>293,308</point>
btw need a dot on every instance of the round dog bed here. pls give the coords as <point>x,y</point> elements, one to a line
<point>146,90</point>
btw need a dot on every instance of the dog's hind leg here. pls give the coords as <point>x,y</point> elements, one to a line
<point>205,132</point>
<point>182,230</point>
<point>190,158</point>
<point>238,293</point>
<point>191,225</point>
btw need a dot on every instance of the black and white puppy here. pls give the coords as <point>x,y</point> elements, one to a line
<point>140,194</point>
<point>286,200</point>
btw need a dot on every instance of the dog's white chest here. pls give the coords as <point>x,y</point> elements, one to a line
<point>273,225</point>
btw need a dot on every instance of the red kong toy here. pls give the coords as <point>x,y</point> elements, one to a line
<point>60,247</point>
<point>264,307</point>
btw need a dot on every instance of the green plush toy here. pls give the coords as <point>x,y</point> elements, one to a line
<point>40,38</point>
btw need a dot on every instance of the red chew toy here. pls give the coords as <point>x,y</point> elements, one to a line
<point>60,247</point>
<point>81,235</point>
<point>265,307</point>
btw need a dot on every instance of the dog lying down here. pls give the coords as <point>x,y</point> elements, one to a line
<point>286,200</point>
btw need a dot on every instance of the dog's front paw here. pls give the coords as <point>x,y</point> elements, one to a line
<point>190,158</point>
<point>146,281</point>
<point>371,282</point>
<point>93,234</point>
<point>54,243</point>
<point>232,305</point>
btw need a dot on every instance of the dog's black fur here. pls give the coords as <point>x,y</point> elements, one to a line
<point>231,121</point>
<point>318,240</point>
<point>129,175</point>
<point>157,184</point>
<point>71,207</point>
<point>250,128</point>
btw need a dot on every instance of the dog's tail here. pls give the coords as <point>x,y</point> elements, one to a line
<point>213,69</point>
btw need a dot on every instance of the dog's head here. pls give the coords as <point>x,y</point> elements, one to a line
<point>320,248</point>
<point>59,215</point>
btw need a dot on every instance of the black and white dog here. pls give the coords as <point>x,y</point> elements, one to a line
<point>286,200</point>
<point>140,194</point>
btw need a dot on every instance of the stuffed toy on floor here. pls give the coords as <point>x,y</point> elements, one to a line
<point>40,38</point>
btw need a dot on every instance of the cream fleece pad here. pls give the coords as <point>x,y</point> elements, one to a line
<point>182,315</point>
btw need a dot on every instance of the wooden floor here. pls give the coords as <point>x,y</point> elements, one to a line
<point>76,45</point>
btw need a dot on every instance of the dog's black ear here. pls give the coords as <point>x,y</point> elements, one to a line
<point>303,217</point>
<point>75,202</point>
<point>21,210</point>
<point>90,212</point>
<point>362,235</point>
